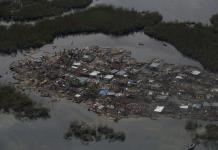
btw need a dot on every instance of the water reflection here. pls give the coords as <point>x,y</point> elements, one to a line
<point>48,134</point>
<point>150,49</point>
<point>20,105</point>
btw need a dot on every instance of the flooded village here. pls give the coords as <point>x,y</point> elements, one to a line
<point>110,82</point>
<point>108,74</point>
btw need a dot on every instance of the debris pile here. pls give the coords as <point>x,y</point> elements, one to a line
<point>113,83</point>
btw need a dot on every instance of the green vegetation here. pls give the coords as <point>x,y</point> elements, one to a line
<point>211,133</point>
<point>22,106</point>
<point>191,39</point>
<point>192,125</point>
<point>194,40</point>
<point>214,21</point>
<point>26,10</point>
<point>105,19</point>
<point>204,134</point>
<point>89,133</point>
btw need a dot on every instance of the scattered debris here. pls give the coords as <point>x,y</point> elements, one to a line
<point>113,83</point>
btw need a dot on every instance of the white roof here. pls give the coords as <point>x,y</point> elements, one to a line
<point>86,56</point>
<point>77,64</point>
<point>150,81</point>
<point>195,72</point>
<point>74,67</point>
<point>94,73</point>
<point>100,107</point>
<point>109,76</point>
<point>154,64</point>
<point>110,106</point>
<point>159,109</point>
<point>183,106</point>
<point>118,94</point>
<point>179,77</point>
<point>214,90</point>
<point>125,75</point>
<point>77,95</point>
<point>111,93</point>
<point>150,93</point>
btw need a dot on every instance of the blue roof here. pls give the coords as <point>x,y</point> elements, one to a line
<point>103,92</point>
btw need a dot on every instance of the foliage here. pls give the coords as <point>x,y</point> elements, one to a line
<point>194,40</point>
<point>192,125</point>
<point>105,19</point>
<point>26,10</point>
<point>12,100</point>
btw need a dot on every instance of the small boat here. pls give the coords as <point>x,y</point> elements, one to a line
<point>191,146</point>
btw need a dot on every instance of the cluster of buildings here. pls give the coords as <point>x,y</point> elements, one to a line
<point>113,83</point>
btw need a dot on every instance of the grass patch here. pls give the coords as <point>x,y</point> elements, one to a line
<point>193,40</point>
<point>27,10</point>
<point>104,19</point>
<point>21,105</point>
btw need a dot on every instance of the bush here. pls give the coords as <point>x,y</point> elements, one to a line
<point>194,40</point>
<point>20,104</point>
<point>105,19</point>
<point>36,9</point>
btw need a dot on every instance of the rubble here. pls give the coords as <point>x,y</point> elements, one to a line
<point>113,83</point>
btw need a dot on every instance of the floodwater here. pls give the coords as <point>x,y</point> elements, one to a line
<point>151,48</point>
<point>141,133</point>
<point>171,10</point>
